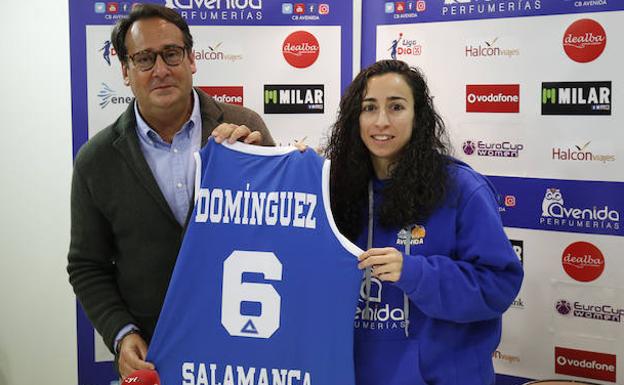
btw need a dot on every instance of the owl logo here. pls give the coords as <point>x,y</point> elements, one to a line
<point>552,200</point>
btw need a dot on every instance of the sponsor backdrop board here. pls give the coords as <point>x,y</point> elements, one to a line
<point>529,91</point>
<point>287,61</point>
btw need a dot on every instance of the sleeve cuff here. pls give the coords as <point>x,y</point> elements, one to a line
<point>411,273</point>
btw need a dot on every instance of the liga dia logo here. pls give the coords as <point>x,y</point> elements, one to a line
<point>584,40</point>
<point>583,261</point>
<point>301,49</point>
<point>583,363</point>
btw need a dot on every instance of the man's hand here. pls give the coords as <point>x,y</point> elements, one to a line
<point>233,132</point>
<point>132,353</point>
<point>386,263</point>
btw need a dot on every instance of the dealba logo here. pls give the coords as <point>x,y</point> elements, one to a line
<point>595,311</point>
<point>583,261</point>
<point>489,48</point>
<point>301,49</point>
<point>215,53</point>
<point>294,99</point>
<point>217,9</point>
<point>503,149</point>
<point>584,40</point>
<point>109,96</point>
<point>580,153</point>
<point>225,94</point>
<point>402,48</point>
<point>586,364</point>
<point>576,98</point>
<point>492,98</point>
<point>488,7</point>
<point>556,215</point>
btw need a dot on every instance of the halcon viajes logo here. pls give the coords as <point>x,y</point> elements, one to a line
<point>580,153</point>
<point>576,98</point>
<point>586,364</point>
<point>584,40</point>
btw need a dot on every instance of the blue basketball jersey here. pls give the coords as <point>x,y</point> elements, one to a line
<point>264,290</point>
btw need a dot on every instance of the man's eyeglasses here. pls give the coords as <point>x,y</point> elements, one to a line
<point>145,60</point>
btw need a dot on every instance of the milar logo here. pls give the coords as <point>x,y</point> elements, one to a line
<point>583,363</point>
<point>294,99</point>
<point>576,98</point>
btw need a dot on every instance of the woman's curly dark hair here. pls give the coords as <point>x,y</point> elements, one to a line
<point>418,178</point>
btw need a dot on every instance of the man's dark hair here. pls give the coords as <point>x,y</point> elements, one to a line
<point>147,11</point>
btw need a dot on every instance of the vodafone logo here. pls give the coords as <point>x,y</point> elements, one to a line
<point>584,40</point>
<point>301,49</point>
<point>230,95</point>
<point>583,261</point>
<point>492,98</point>
<point>582,363</point>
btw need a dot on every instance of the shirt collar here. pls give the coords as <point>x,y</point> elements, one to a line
<point>150,136</point>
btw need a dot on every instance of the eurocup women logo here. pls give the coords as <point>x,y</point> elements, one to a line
<point>468,147</point>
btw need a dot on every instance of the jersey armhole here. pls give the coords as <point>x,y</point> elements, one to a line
<point>344,241</point>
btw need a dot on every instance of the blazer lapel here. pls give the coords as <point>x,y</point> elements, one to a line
<point>128,146</point>
<point>211,115</point>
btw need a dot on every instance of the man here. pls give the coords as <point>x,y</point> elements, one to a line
<point>133,182</point>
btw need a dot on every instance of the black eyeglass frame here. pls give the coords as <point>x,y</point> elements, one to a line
<point>154,56</point>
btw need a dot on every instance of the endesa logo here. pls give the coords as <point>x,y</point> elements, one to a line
<point>294,99</point>
<point>301,49</point>
<point>230,95</point>
<point>492,98</point>
<point>584,40</point>
<point>583,261</point>
<point>586,364</point>
<point>109,96</point>
<point>576,98</point>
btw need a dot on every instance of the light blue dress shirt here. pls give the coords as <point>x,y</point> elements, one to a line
<point>172,163</point>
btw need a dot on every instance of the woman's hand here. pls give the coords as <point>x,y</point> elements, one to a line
<point>386,263</point>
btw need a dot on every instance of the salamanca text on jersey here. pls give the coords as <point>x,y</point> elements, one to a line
<point>197,374</point>
<point>245,207</point>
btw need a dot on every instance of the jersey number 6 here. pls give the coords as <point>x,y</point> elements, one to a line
<point>235,292</point>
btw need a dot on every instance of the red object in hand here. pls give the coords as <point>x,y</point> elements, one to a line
<point>142,377</point>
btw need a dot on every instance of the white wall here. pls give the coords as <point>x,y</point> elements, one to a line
<point>37,306</point>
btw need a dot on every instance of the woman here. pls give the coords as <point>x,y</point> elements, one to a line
<point>440,270</point>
